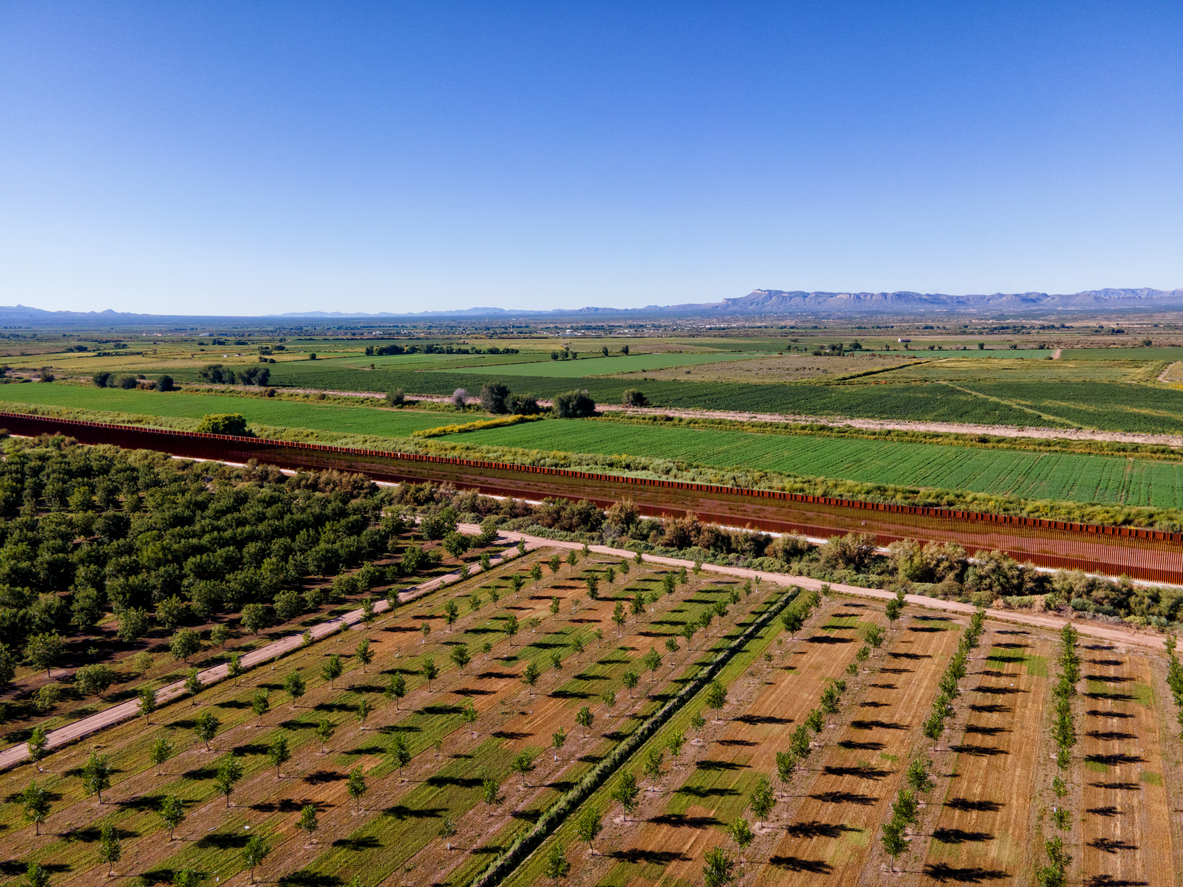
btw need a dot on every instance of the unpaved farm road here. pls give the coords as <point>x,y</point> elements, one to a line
<point>116,714</point>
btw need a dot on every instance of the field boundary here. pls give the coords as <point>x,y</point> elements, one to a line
<point>1141,553</point>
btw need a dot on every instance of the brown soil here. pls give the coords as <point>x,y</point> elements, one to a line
<point>982,827</point>
<point>1124,815</point>
<point>830,841</point>
<point>762,709</point>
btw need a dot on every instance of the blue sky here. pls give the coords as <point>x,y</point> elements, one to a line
<point>252,158</point>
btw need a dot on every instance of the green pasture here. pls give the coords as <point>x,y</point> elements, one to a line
<point>1065,476</point>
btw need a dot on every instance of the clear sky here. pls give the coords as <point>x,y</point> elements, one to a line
<point>258,157</point>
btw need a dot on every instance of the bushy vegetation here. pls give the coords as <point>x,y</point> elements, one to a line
<point>97,543</point>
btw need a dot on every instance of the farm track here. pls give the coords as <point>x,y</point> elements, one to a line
<point>1124,815</point>
<point>983,827</point>
<point>1141,554</point>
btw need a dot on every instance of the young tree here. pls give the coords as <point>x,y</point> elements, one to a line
<point>618,615</point>
<point>918,776</point>
<point>510,626</point>
<point>490,792</point>
<point>96,775</point>
<point>762,800</point>
<point>530,674</point>
<point>555,563</point>
<point>652,660</point>
<point>589,826</point>
<point>253,854</point>
<point>676,742</point>
<point>524,764</point>
<point>307,822</point>
<point>630,680</point>
<point>147,703</point>
<point>584,718</point>
<point>469,714</point>
<point>161,751</point>
<point>716,696</point>
<point>193,685</point>
<point>557,866</point>
<point>719,868</point>
<point>557,740</point>
<point>447,831</point>
<point>35,801</point>
<point>654,761</point>
<point>324,732</point>
<point>363,711</point>
<point>895,841</point>
<point>184,644</point>
<point>895,606</point>
<point>229,772</point>
<point>626,792</point>
<point>741,832</point>
<point>110,847</point>
<point>397,688</point>
<point>172,813</point>
<point>38,745</point>
<point>294,686</point>
<point>873,635</point>
<point>536,572</point>
<point>451,613</point>
<point>554,604</point>
<point>278,753</point>
<point>364,654</point>
<point>356,784</point>
<point>460,656</point>
<point>260,705</point>
<point>430,670</point>
<point>36,875</point>
<point>332,669</point>
<point>206,727</point>
<point>234,667</point>
<point>400,751</point>
<point>572,558</point>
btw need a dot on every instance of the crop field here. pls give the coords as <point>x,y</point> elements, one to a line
<point>258,411</point>
<point>983,818</point>
<point>597,365</point>
<point>1064,476</point>
<point>781,368</point>
<point>589,653</point>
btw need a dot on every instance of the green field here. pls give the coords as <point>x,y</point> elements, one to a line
<point>265,411</point>
<point>1065,476</point>
<point>603,366</point>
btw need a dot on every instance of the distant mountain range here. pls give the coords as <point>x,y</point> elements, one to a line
<point>758,303</point>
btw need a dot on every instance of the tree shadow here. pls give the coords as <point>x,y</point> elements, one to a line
<point>681,820</point>
<point>642,856</point>
<point>960,836</point>
<point>358,843</point>
<point>841,797</point>
<point>945,873</point>
<point>815,829</point>
<point>797,864</point>
<point>968,805</point>
<point>979,751</point>
<point>1109,845</point>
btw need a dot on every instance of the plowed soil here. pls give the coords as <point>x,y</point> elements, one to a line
<point>982,832</point>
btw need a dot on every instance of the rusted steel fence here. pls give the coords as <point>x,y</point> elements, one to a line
<point>1152,555</point>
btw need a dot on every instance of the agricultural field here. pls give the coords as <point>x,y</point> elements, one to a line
<point>778,369</point>
<point>430,737</point>
<point>1060,476</point>
<point>276,413</point>
<point>982,813</point>
<point>588,365</point>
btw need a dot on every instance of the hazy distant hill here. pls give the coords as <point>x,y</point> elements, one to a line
<point>757,303</point>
